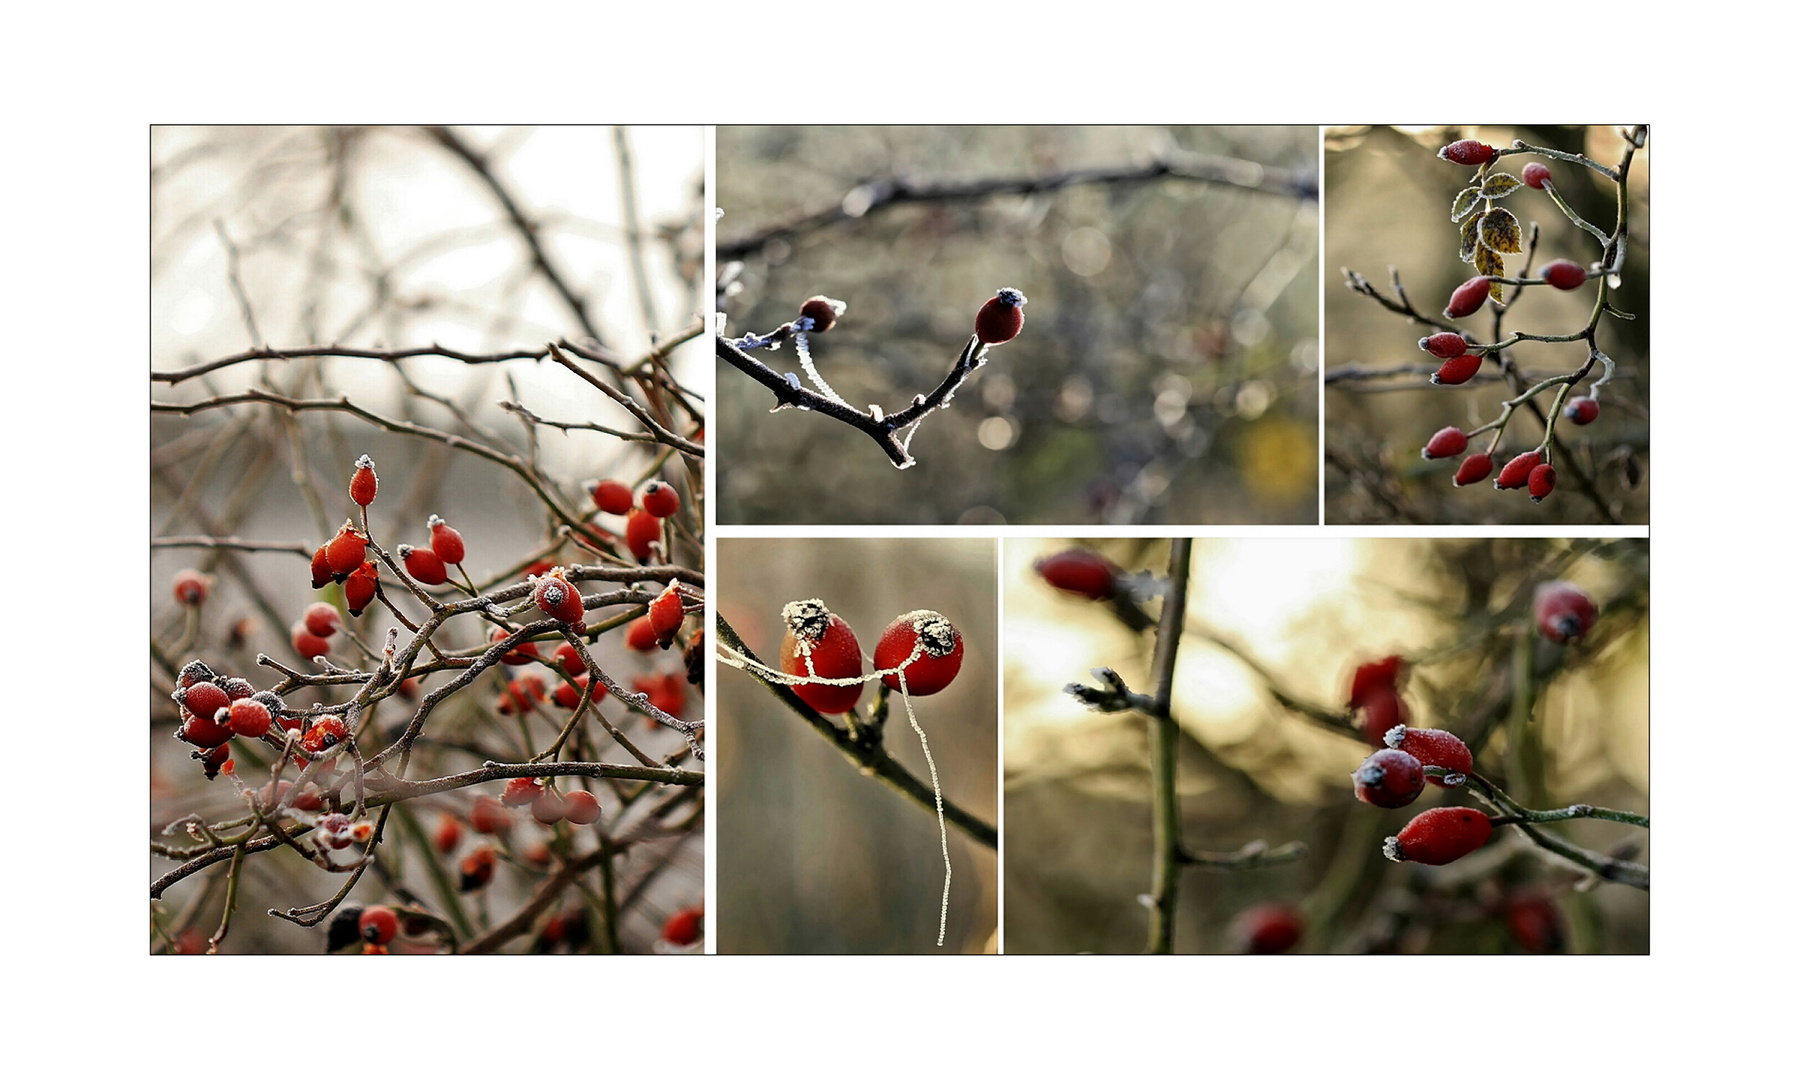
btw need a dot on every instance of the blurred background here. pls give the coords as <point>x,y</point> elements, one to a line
<point>814,856</point>
<point>1306,612</point>
<point>393,238</point>
<point>1168,367</point>
<point>1389,205</point>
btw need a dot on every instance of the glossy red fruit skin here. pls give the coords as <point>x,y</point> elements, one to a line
<point>1382,675</point>
<point>938,663</point>
<point>1458,371</point>
<point>683,927</point>
<point>1448,442</point>
<point>249,718</point>
<point>1445,345</point>
<point>568,695</point>
<point>1080,572</point>
<point>1581,410</point>
<point>1535,924</point>
<point>642,529</point>
<point>1467,152</point>
<point>1536,174</point>
<point>344,552</point>
<point>1468,298</point>
<point>813,630</point>
<point>611,496</point>
<point>523,653</point>
<point>1517,472</point>
<point>640,634</point>
<point>1541,483</point>
<point>556,597</point>
<point>1001,318</point>
<point>661,499</point>
<point>359,588</point>
<point>447,835</point>
<point>446,543</point>
<point>1268,929</point>
<point>521,791</point>
<point>1563,274</point>
<point>581,808</point>
<point>321,619</point>
<point>1564,611</point>
<point>363,482</point>
<point>1431,746</point>
<point>666,615</point>
<point>191,588</point>
<point>1384,710</point>
<point>822,310</point>
<point>321,566</point>
<point>422,565</point>
<point>477,869</point>
<point>1474,469</point>
<point>1389,779</point>
<point>378,925</point>
<point>570,660</point>
<point>488,816</point>
<point>1440,835</point>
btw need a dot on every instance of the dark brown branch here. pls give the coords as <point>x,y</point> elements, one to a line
<point>874,196</point>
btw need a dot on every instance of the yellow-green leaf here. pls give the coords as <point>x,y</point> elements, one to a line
<point>1491,264</point>
<point>1464,202</point>
<point>1500,232</point>
<point>1471,232</point>
<point>1499,185</point>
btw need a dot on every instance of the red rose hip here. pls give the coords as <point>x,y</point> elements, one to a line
<point>446,543</point>
<point>191,588</point>
<point>1001,318</point>
<point>642,530</point>
<point>1430,746</point>
<point>1458,371</point>
<point>818,643</point>
<point>1541,483</point>
<point>1389,778</point>
<point>611,496</point>
<point>1441,835</point>
<point>1445,346</point>
<point>1564,611</point>
<point>557,598</point>
<point>940,651</point>
<point>422,565</point>
<point>661,499</point>
<point>1080,572</point>
<point>344,552</point>
<point>823,311</point>
<point>363,482</point>
<point>1467,152</point>
<point>1517,472</point>
<point>1468,298</point>
<point>1563,274</point>
<point>1474,469</point>
<point>1536,175</point>
<point>1448,442</point>
<point>1581,410</point>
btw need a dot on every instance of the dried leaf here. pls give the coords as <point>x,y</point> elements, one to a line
<point>1500,232</point>
<point>1499,185</point>
<point>1464,202</point>
<point>1491,264</point>
<point>1471,232</point>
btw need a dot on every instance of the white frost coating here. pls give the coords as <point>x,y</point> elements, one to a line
<point>876,414</point>
<point>812,373</point>
<point>937,793</point>
<point>1391,848</point>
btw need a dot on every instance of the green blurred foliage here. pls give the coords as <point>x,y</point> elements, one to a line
<point>1167,371</point>
<point>1078,818</point>
<point>814,856</point>
<point>1389,206</point>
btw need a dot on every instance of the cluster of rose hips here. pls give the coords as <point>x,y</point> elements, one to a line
<point>1394,775</point>
<point>1530,470</point>
<point>643,514</point>
<point>214,708</point>
<point>919,654</point>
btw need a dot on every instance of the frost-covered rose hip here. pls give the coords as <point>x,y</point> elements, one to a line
<point>1517,472</point>
<point>1458,371</point>
<point>1430,746</point>
<point>1445,346</point>
<point>611,496</point>
<point>1001,318</point>
<point>1389,778</point>
<point>446,543</point>
<point>1541,483</point>
<point>1474,469</point>
<point>661,499</point>
<point>1440,835</point>
<point>1467,152</point>
<point>642,530</point>
<point>818,643</point>
<point>665,614</point>
<point>359,588</point>
<point>1468,298</point>
<point>344,552</point>
<point>363,481</point>
<point>1581,410</point>
<point>422,564</point>
<point>940,649</point>
<point>1448,442</point>
<point>823,311</point>
<point>1536,174</point>
<point>557,598</point>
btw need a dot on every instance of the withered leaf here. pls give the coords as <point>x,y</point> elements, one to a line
<point>1500,231</point>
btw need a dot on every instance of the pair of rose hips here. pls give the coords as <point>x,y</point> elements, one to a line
<point>430,565</point>
<point>643,517</point>
<point>921,647</point>
<point>342,559</point>
<point>998,321</point>
<point>547,805</point>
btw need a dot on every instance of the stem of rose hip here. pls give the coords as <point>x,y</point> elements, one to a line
<point>1519,146</point>
<point>1569,212</point>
